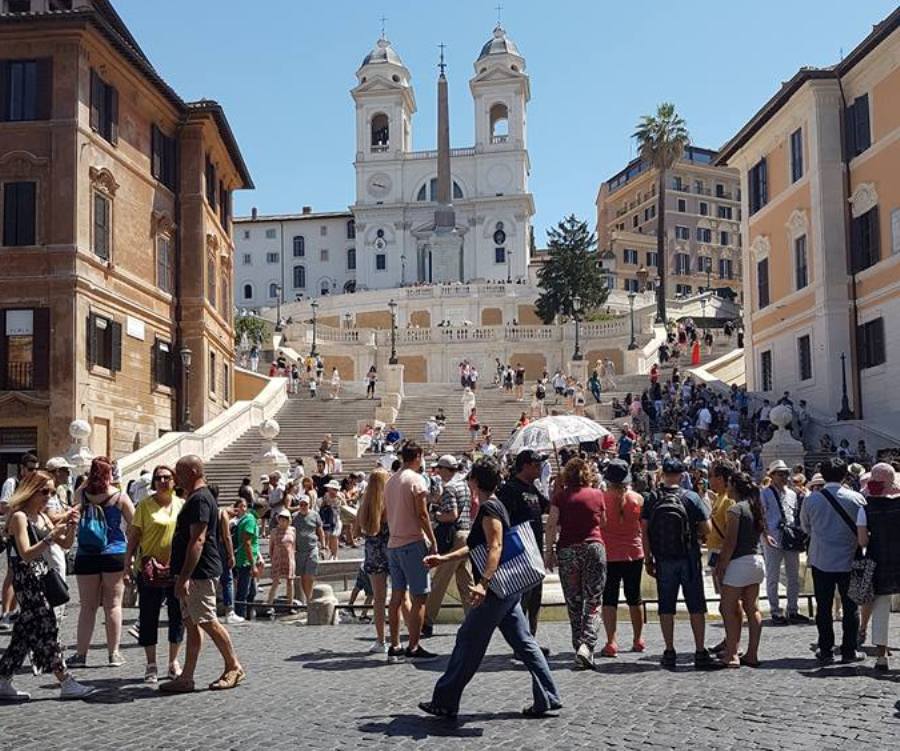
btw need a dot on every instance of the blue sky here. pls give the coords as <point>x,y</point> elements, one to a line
<point>283,70</point>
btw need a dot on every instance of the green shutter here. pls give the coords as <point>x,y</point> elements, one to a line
<point>115,362</point>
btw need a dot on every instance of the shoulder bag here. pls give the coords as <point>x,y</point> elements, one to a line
<point>793,538</point>
<point>521,564</point>
<point>862,570</point>
<point>53,585</point>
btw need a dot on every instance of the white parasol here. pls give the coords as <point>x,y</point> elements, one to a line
<point>551,433</point>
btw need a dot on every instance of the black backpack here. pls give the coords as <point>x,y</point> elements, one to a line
<point>541,392</point>
<point>669,526</point>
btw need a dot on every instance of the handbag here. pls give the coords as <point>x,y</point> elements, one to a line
<point>155,574</point>
<point>521,564</point>
<point>54,587</point>
<point>793,538</point>
<point>862,571</point>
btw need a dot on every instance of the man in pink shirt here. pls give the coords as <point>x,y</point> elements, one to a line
<point>411,539</point>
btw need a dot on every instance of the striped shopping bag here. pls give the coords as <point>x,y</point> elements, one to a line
<point>521,564</point>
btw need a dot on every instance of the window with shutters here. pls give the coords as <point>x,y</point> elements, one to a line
<point>723,212</point>
<point>652,258</point>
<point>165,277</point>
<point>224,205</point>
<point>323,255</point>
<point>351,229</point>
<point>796,155</point>
<point>25,349</point>
<point>101,240</point>
<point>682,264</point>
<point>765,370</point>
<point>857,131</point>
<point>724,238</point>
<point>758,183</point>
<point>226,383</point>
<point>19,213</point>
<point>211,280</point>
<point>704,208</point>
<point>162,157</point>
<point>211,373</point>
<point>272,257</point>
<point>211,183</point>
<point>299,277</point>
<point>801,270</point>
<point>804,357</point>
<point>26,90</point>
<point>104,108</point>
<point>871,343</point>
<point>104,340</point>
<point>726,268</point>
<point>704,235</point>
<point>762,283</point>
<point>248,291</point>
<point>351,259</point>
<point>499,255</point>
<point>630,256</point>
<point>225,295</point>
<point>864,241</point>
<point>299,246</point>
<point>682,233</point>
<point>681,205</point>
<point>380,262</point>
<point>163,363</point>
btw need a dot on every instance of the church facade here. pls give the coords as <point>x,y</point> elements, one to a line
<point>397,204</point>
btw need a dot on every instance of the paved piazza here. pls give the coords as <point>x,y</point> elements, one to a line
<point>315,687</point>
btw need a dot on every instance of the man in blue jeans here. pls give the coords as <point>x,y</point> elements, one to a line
<point>411,539</point>
<point>673,522</point>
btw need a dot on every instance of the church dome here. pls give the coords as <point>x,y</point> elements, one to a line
<point>382,53</point>
<point>499,44</point>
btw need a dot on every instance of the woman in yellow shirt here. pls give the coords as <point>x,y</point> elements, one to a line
<point>720,476</point>
<point>151,533</point>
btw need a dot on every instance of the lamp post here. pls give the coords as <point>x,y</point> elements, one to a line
<point>348,319</point>
<point>278,291</point>
<point>708,273</point>
<point>315,307</point>
<point>846,413</point>
<point>509,255</point>
<point>576,308</point>
<point>703,312</point>
<point>186,424</point>
<point>393,306</point>
<point>403,270</point>
<point>633,343</point>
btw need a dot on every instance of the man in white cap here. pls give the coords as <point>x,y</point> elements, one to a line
<point>454,520</point>
<point>781,510</point>
<point>62,476</point>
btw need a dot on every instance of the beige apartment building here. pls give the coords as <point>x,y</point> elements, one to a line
<point>115,237</point>
<point>703,214</point>
<point>820,176</point>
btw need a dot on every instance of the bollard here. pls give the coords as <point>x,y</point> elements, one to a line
<point>321,608</point>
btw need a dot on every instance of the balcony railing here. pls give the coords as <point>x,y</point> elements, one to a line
<point>499,139</point>
<point>19,376</point>
<point>380,148</point>
<point>681,188</point>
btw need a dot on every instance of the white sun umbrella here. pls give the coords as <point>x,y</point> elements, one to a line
<point>555,432</point>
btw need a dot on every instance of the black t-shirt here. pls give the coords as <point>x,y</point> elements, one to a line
<point>200,508</point>
<point>525,503</point>
<point>520,376</point>
<point>320,481</point>
<point>491,508</point>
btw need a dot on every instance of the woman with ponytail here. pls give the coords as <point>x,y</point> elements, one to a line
<point>740,571</point>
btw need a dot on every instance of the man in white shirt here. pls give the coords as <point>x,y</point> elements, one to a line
<point>704,420</point>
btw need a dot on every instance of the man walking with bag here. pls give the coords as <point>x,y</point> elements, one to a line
<point>782,511</point>
<point>829,517</point>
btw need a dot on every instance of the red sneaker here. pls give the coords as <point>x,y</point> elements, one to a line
<point>610,650</point>
<point>638,646</point>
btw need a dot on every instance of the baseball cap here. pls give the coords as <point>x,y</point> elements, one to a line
<point>529,456</point>
<point>617,472</point>
<point>58,462</point>
<point>672,466</point>
<point>284,512</point>
<point>447,461</point>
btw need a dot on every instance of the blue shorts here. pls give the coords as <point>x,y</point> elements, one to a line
<point>685,573</point>
<point>407,569</point>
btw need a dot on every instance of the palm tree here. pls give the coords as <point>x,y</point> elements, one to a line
<point>661,140</point>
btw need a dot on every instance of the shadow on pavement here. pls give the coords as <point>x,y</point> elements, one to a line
<point>419,727</point>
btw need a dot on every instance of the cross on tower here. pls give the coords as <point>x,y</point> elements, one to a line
<point>442,65</point>
<point>383,19</point>
<point>498,9</point>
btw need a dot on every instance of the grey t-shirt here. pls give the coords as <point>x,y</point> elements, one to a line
<point>306,526</point>
<point>747,537</point>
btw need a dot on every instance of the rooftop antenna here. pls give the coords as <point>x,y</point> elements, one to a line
<point>499,8</point>
<point>383,19</point>
<point>442,65</point>
<point>841,53</point>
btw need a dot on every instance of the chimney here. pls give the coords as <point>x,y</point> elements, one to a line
<point>253,213</point>
<point>307,209</point>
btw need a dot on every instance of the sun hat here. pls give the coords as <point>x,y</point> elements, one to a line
<point>778,466</point>
<point>333,485</point>
<point>447,461</point>
<point>882,481</point>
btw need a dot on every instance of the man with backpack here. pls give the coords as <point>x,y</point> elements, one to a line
<point>673,523</point>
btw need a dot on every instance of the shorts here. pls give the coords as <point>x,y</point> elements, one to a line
<point>744,571</point>
<point>686,574</point>
<point>363,582</point>
<point>306,562</point>
<point>376,560</point>
<point>407,569</point>
<point>200,604</point>
<point>92,564</point>
<point>627,573</point>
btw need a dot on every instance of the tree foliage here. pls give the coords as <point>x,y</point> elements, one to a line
<point>254,327</point>
<point>572,269</point>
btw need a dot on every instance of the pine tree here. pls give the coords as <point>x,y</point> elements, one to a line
<point>572,269</point>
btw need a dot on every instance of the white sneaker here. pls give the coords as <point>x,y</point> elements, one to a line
<point>8,692</point>
<point>116,660</point>
<point>72,689</point>
<point>150,674</point>
<point>232,618</point>
<point>378,648</point>
<point>585,656</point>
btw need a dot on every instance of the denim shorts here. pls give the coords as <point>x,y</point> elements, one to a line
<point>407,569</point>
<point>685,573</point>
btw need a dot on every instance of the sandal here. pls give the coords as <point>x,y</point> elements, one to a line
<point>749,663</point>
<point>610,650</point>
<point>431,708</point>
<point>228,679</point>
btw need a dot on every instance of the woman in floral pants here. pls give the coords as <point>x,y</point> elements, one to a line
<point>574,541</point>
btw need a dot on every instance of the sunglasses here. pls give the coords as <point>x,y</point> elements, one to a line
<point>158,478</point>
<point>45,491</point>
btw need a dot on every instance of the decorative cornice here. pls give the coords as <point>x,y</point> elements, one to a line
<point>22,164</point>
<point>797,223</point>
<point>864,198</point>
<point>102,179</point>
<point>760,247</point>
<point>161,223</point>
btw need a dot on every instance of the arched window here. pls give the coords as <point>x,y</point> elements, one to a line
<point>351,229</point>
<point>499,123</point>
<point>273,290</point>
<point>350,285</point>
<point>248,291</point>
<point>299,246</point>
<point>431,188</point>
<point>325,287</point>
<point>380,132</point>
<point>299,277</point>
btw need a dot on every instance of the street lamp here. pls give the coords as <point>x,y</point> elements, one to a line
<point>402,270</point>
<point>509,254</point>
<point>278,291</point>
<point>348,319</point>
<point>393,306</point>
<point>642,276</point>
<point>186,424</point>
<point>633,343</point>
<point>315,307</point>
<point>576,308</point>
<point>703,312</point>
<point>846,413</point>
<point>708,273</point>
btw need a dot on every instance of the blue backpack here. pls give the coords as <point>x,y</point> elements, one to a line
<point>92,529</point>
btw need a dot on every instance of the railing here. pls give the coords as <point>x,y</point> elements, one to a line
<point>532,333</point>
<point>499,139</point>
<point>466,334</point>
<point>454,290</point>
<point>493,289</point>
<point>703,191</point>
<point>468,151</point>
<point>380,148</point>
<point>599,329</point>
<point>681,188</point>
<point>420,291</point>
<point>331,334</point>
<point>726,194</point>
<point>19,376</point>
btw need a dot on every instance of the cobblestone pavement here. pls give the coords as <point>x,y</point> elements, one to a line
<point>316,687</point>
